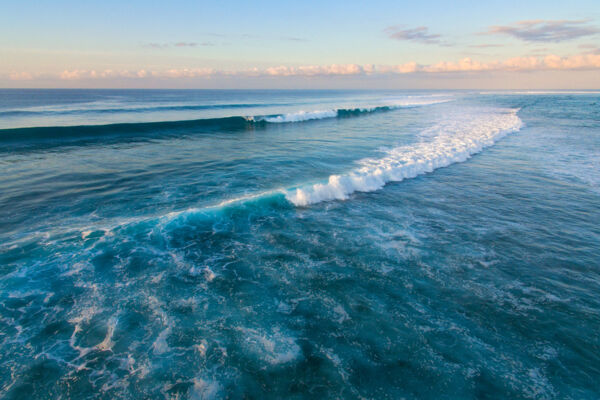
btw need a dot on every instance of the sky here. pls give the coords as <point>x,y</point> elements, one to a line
<point>300,44</point>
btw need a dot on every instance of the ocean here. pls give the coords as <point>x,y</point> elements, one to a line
<point>209,244</point>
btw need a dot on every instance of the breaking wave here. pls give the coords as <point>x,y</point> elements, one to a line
<point>344,112</point>
<point>449,142</point>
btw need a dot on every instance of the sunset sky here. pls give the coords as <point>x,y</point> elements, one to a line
<point>300,44</point>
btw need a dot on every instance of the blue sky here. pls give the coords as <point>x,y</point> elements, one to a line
<point>264,43</point>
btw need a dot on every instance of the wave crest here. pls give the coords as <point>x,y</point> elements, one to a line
<point>300,116</point>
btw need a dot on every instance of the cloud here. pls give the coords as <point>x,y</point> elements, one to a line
<point>549,62</point>
<point>185,73</point>
<point>406,68</point>
<point>78,74</point>
<point>585,61</point>
<point>315,70</point>
<point>189,44</point>
<point>177,44</point>
<point>156,45</point>
<point>294,39</point>
<point>546,31</point>
<point>420,34</point>
<point>72,74</point>
<point>485,46</point>
<point>20,76</point>
<point>590,48</point>
<point>466,65</point>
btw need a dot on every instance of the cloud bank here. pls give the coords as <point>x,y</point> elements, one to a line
<point>419,34</point>
<point>586,61</point>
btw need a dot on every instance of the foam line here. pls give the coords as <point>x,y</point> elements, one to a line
<point>301,116</point>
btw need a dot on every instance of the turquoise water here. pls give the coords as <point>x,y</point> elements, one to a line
<point>271,244</point>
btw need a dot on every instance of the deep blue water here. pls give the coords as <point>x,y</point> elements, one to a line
<point>292,244</point>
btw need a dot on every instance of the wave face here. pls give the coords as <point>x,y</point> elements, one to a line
<point>123,130</point>
<point>453,141</point>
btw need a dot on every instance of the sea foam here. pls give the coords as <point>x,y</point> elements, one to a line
<point>301,116</point>
<point>454,140</point>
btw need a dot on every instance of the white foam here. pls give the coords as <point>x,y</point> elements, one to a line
<point>205,389</point>
<point>108,343</point>
<point>273,347</point>
<point>454,140</point>
<point>160,345</point>
<point>302,116</point>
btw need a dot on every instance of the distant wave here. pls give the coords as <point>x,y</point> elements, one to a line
<point>112,109</point>
<point>296,117</point>
<point>56,133</point>
<point>454,140</point>
<point>123,130</point>
<point>301,116</point>
<point>128,109</point>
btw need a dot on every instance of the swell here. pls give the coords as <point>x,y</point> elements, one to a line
<point>57,135</point>
<point>122,129</point>
<point>133,110</point>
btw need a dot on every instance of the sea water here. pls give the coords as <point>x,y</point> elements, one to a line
<point>299,244</point>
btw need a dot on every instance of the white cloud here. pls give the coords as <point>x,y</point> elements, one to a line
<point>549,62</point>
<point>584,61</point>
<point>316,70</point>
<point>185,73</point>
<point>406,68</point>
<point>20,76</point>
<point>156,45</point>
